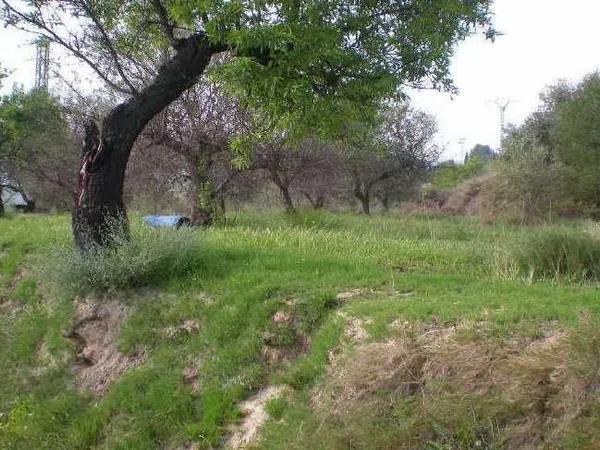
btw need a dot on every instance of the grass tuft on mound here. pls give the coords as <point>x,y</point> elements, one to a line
<point>149,257</point>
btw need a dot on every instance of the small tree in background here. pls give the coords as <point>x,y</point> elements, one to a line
<point>39,156</point>
<point>483,152</point>
<point>530,182</point>
<point>324,180</point>
<point>394,155</point>
<point>310,169</point>
<point>199,127</point>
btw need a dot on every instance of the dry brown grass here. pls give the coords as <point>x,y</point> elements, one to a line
<point>465,199</point>
<point>462,388</point>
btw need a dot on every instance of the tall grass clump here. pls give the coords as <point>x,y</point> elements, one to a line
<point>149,257</point>
<point>557,253</point>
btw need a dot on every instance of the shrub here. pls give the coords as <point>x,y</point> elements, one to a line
<point>558,253</point>
<point>149,257</point>
<point>526,186</point>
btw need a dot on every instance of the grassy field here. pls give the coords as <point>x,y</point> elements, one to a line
<point>387,332</point>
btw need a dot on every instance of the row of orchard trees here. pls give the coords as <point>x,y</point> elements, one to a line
<point>186,150</point>
<point>308,68</point>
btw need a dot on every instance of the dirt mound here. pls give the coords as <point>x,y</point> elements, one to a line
<point>466,199</point>
<point>284,341</point>
<point>97,328</point>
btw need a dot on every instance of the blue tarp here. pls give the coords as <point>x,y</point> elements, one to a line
<point>166,221</point>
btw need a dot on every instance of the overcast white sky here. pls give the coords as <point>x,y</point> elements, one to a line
<point>544,41</point>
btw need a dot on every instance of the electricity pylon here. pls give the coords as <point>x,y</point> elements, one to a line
<point>502,103</point>
<point>42,63</point>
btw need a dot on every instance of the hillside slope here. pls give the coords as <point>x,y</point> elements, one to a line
<point>315,331</point>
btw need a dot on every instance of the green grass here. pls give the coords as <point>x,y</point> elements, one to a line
<point>231,280</point>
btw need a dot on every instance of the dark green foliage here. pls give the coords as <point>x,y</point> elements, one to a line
<point>485,152</point>
<point>306,66</point>
<point>577,138</point>
<point>315,65</point>
<point>30,121</point>
<point>553,159</point>
<point>37,148</point>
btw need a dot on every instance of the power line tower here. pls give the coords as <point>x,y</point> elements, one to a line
<point>502,104</point>
<point>42,63</point>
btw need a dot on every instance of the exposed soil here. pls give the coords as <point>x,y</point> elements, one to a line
<point>188,326</point>
<point>355,331</point>
<point>97,328</point>
<point>349,294</point>
<point>273,352</point>
<point>9,307</point>
<point>191,377</point>
<point>255,416</point>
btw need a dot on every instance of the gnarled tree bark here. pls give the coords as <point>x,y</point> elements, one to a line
<point>284,189</point>
<point>99,217</point>
<point>362,192</point>
<point>203,192</point>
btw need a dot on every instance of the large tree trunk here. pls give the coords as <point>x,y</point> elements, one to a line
<point>99,217</point>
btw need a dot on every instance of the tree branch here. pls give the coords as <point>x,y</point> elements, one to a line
<point>164,22</point>
<point>109,46</point>
<point>51,35</point>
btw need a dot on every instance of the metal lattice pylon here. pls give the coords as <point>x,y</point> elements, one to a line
<point>42,63</point>
<point>502,104</point>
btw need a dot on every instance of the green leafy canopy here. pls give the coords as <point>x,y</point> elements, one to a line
<point>305,66</point>
<point>28,122</point>
<point>316,65</point>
